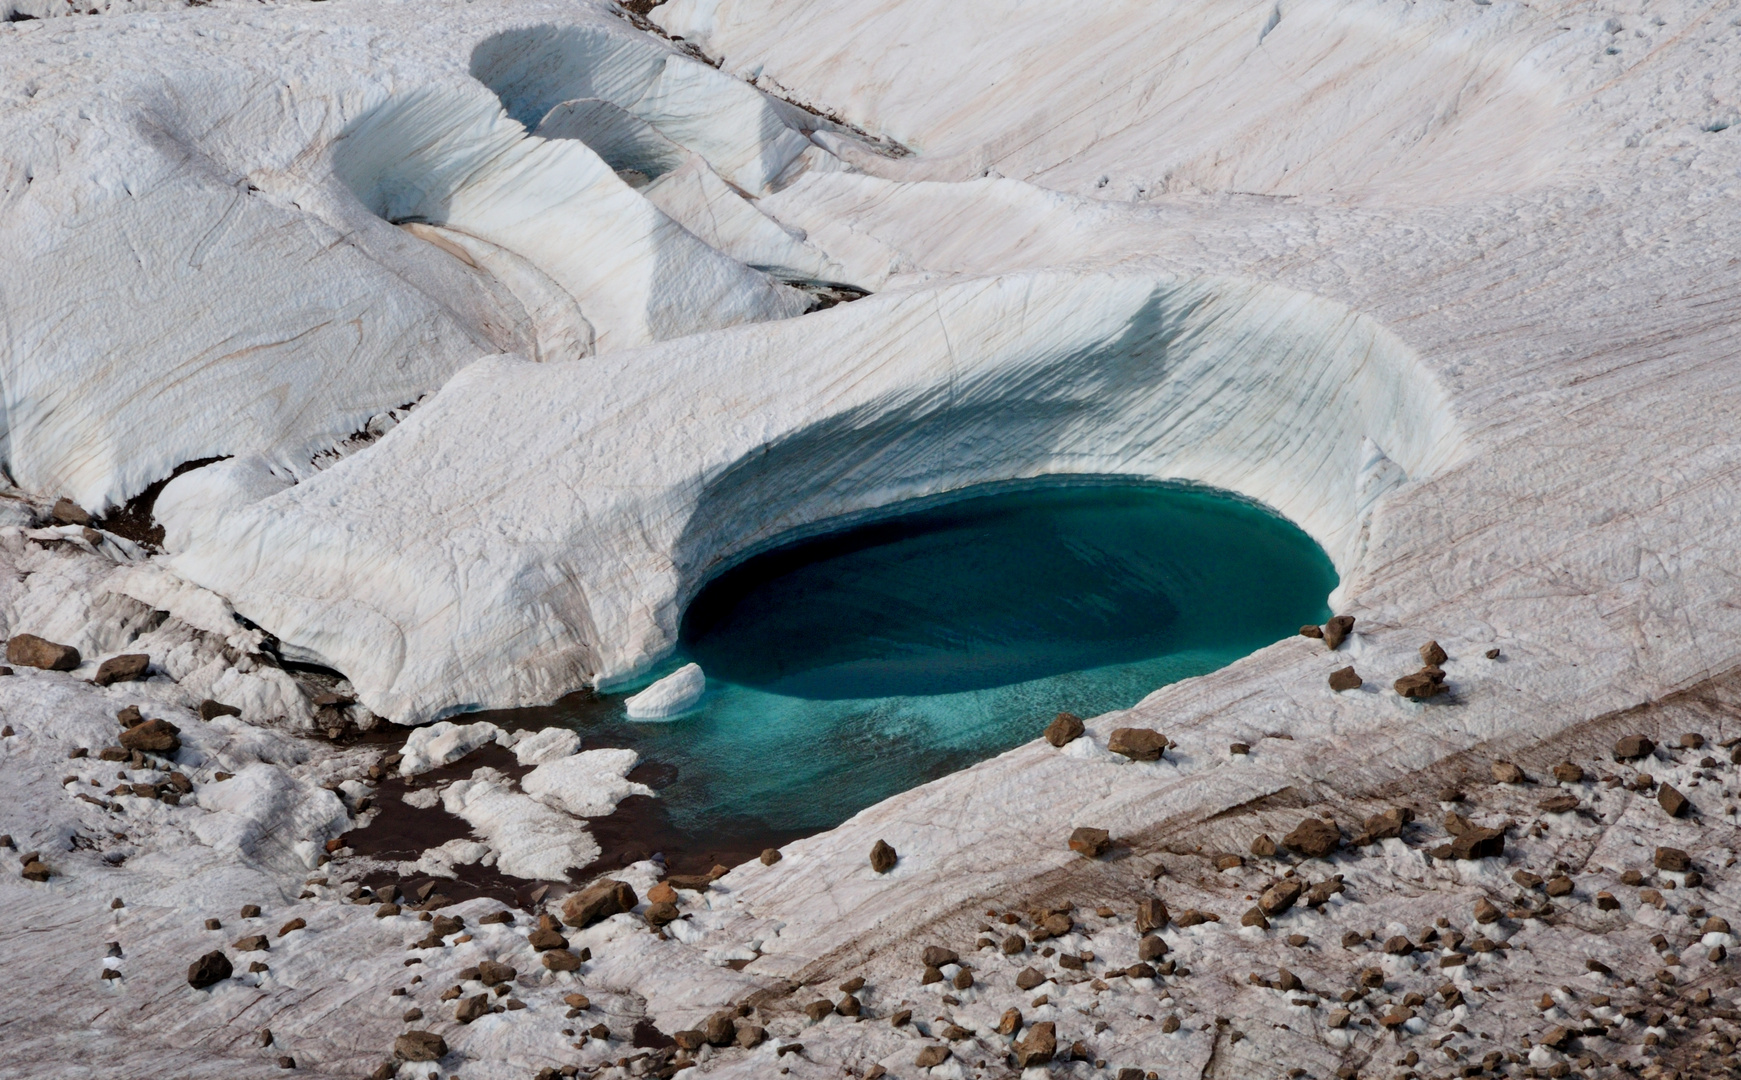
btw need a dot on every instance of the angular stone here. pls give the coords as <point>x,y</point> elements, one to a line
<point>689,1039</point>
<point>419,1046</point>
<point>1605,901</point>
<point>1398,945</point>
<point>1151,948</point>
<point>1280,897</point>
<point>1228,862</point>
<point>253,943</point>
<point>930,1056</point>
<point>491,973</point>
<point>32,651</point>
<point>128,667</point>
<point>1568,773</point>
<point>1038,1046</point>
<point>67,512</point>
<point>1010,1023</point>
<point>209,970</point>
<point>471,1008</point>
<point>1389,824</point>
<point>1633,747</point>
<point>598,901</point>
<point>1336,631</point>
<point>35,870</point>
<point>152,737</point>
<point>1138,744</point>
<point>770,856</point>
<point>1013,945</point>
<point>1345,679</point>
<point>1560,886</point>
<point>937,956</point>
<point>1263,846</point>
<point>662,893</point>
<point>1090,842</point>
<point>1254,917</point>
<point>1559,804</point>
<point>211,710</point>
<point>1507,773</point>
<point>662,914</point>
<point>1151,914</point>
<point>1314,837</point>
<point>1432,655</point>
<point>1672,859</point>
<point>560,960</point>
<point>1485,911</point>
<point>543,940</point>
<point>1673,803</point>
<point>1478,844</point>
<point>293,924</point>
<point>1065,728</point>
<point>883,857</point>
<point>1421,685</point>
<point>1028,978</point>
<point>1312,631</point>
<point>819,1009</point>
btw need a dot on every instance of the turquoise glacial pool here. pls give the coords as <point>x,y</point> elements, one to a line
<point>848,667</point>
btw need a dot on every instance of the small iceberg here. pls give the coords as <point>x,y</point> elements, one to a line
<point>675,693</point>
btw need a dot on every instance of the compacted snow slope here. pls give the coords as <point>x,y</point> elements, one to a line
<point>1453,285</point>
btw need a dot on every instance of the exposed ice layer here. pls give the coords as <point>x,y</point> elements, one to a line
<point>1403,102</point>
<point>547,745</point>
<point>585,785</point>
<point>695,196</point>
<point>452,158</point>
<point>531,840</point>
<point>674,694</point>
<point>186,276</point>
<point>443,744</point>
<point>533,528</point>
<point>624,140</point>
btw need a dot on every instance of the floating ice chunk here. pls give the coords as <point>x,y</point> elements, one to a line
<point>586,785</point>
<point>444,743</point>
<point>673,694</point>
<point>533,841</point>
<point>538,747</point>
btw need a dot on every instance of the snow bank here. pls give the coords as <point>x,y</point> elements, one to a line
<point>585,785</point>
<point>675,693</point>
<point>611,494</point>
<point>444,743</point>
<point>535,748</point>
<point>531,840</point>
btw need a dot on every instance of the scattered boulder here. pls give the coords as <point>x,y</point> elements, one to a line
<point>819,1010</point>
<point>933,1055</point>
<point>1559,804</point>
<point>419,1046</point>
<point>67,512</point>
<point>1010,1023</point>
<point>770,856</point>
<point>1568,773</point>
<point>32,651</point>
<point>1151,914</point>
<point>1559,885</point>
<point>598,901</point>
<point>1089,842</point>
<point>1485,911</point>
<point>689,1039</point>
<point>253,943</point>
<point>1673,860</point>
<point>471,1008</point>
<point>750,1036</point>
<point>1314,837</point>
<point>937,956</point>
<point>1138,744</point>
<point>1028,978</point>
<point>1263,846</point>
<point>211,710</point>
<point>721,1028</point>
<point>1345,679</point>
<point>544,939</point>
<point>1673,803</point>
<point>293,924</point>
<point>883,857</point>
<point>152,737</point>
<point>662,893</point>
<point>1065,728</point>
<point>1432,655</point>
<point>1038,1046</point>
<point>1151,948</point>
<point>491,973</point>
<point>662,914</point>
<point>1280,897</point>
<point>1312,631</point>
<point>209,970</point>
<point>1336,631</point>
<point>35,869</point>
<point>1633,747</point>
<point>128,667</point>
<point>1507,773</point>
<point>1423,684</point>
<point>559,960</point>
<point>1478,843</point>
<point>1388,825</point>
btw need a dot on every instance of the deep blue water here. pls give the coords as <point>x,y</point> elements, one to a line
<point>848,667</point>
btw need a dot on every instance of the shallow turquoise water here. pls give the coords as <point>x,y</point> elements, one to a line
<point>849,667</point>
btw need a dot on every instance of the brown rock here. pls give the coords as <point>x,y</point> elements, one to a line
<point>559,960</point>
<point>1397,1017</point>
<point>1560,886</point>
<point>1090,842</point>
<point>1485,912</point>
<point>883,857</point>
<point>1138,744</point>
<point>250,911</point>
<point>937,956</point>
<point>1336,631</point>
<point>208,970</point>
<point>1312,631</point>
<point>1151,914</point>
<point>472,1008</point>
<point>491,973</point>
<point>1339,1018</point>
<point>293,924</point>
<point>1314,838</point>
<point>1012,945</point>
<point>1478,844</point>
<point>1526,879</point>
<point>662,914</point>
<point>721,1028</point>
<point>211,710</point>
<point>1038,1046</point>
<point>1492,654</point>
<point>67,512</point>
<point>1672,859</point>
<point>1254,917</point>
<point>1263,846</point>
<point>819,1009</point>
<point>929,1056</point>
<point>1398,946</point>
<point>1605,901</point>
<point>597,901</point>
<point>1633,747</point>
<point>1507,773</point>
<point>662,893</point>
<point>1151,948</point>
<point>1568,773</point>
<point>152,737</point>
<point>1432,655</point>
<point>543,940</point>
<point>1673,803</point>
<point>851,1006</point>
<point>1228,862</point>
<point>1389,824</point>
<point>386,910</point>
<point>689,1039</point>
<point>1421,685</point>
<point>1064,729</point>
<point>1345,679</point>
<point>1280,897</point>
<point>419,1046</point>
<point>770,856</point>
<point>963,979</point>
<point>1010,1023</point>
<point>32,651</point>
<point>750,1036</point>
<point>128,667</point>
<point>1028,978</point>
<point>35,870</point>
<point>253,943</point>
<point>1559,804</point>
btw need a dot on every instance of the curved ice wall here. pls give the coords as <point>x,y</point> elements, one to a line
<point>538,527</point>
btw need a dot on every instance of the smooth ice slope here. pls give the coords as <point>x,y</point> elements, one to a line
<point>615,489</point>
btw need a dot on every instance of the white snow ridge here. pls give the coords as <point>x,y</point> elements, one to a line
<point>372,368</point>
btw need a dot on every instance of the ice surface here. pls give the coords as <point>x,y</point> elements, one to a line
<point>443,743</point>
<point>671,695</point>
<point>531,840</point>
<point>586,785</point>
<point>537,747</point>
